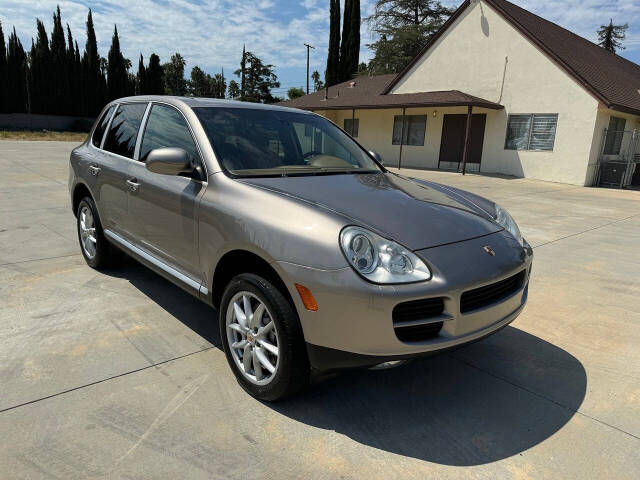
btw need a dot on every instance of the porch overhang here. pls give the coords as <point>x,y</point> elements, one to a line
<point>439,99</point>
<point>366,93</point>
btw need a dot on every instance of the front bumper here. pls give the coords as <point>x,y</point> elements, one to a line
<point>355,316</point>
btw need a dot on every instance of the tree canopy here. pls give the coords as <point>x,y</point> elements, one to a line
<point>204,85</point>
<point>404,27</point>
<point>611,36</point>
<point>295,92</point>
<point>175,83</point>
<point>256,79</point>
<point>56,78</point>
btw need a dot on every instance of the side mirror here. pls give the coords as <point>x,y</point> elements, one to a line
<point>169,161</point>
<point>377,156</point>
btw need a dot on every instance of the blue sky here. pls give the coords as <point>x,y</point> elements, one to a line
<point>210,34</point>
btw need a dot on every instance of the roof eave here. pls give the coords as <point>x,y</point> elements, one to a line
<point>491,106</point>
<point>622,108</point>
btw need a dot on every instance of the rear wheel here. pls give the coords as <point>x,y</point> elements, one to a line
<point>262,338</point>
<point>97,252</point>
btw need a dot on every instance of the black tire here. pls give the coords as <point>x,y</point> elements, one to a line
<point>293,370</point>
<point>106,255</point>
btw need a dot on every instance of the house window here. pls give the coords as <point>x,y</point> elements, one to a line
<point>531,131</point>
<point>351,126</point>
<point>414,128</point>
<point>615,133</point>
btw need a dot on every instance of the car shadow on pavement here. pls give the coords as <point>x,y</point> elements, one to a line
<point>192,312</point>
<point>479,404</point>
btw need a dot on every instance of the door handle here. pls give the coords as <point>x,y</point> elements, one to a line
<point>133,184</point>
<point>93,170</point>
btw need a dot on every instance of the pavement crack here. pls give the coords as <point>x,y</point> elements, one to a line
<point>40,259</point>
<point>587,230</point>
<point>103,380</point>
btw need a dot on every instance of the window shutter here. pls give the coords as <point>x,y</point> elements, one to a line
<point>543,132</point>
<point>518,127</point>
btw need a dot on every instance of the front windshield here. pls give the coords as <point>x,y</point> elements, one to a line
<point>262,142</point>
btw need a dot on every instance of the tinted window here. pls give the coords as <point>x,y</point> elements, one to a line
<point>121,138</point>
<point>413,127</point>
<point>166,127</point>
<point>351,126</point>
<point>98,133</point>
<point>250,141</point>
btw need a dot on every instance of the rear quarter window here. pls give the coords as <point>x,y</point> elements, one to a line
<point>121,138</point>
<point>98,133</point>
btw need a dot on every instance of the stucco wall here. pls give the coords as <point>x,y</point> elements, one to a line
<point>483,55</point>
<point>376,133</point>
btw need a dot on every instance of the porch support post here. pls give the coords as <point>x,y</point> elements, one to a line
<point>467,139</point>
<point>353,121</point>
<point>401,138</point>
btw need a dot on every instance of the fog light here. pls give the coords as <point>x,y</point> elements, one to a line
<point>307,298</point>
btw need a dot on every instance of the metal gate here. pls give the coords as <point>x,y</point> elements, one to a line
<point>619,160</point>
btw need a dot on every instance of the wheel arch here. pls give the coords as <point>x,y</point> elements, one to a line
<point>239,261</point>
<point>79,192</point>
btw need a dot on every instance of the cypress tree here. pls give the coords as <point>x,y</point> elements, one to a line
<point>350,46</point>
<point>17,75</point>
<point>154,76</point>
<point>72,99</point>
<point>40,75</point>
<point>141,78</point>
<point>4,74</point>
<point>92,76</point>
<point>243,74</point>
<point>59,75</point>
<point>116,69</point>
<point>332,75</point>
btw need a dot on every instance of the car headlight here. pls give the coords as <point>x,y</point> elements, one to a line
<point>507,222</point>
<point>380,260</point>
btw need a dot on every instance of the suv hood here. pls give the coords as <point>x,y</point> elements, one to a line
<point>416,214</point>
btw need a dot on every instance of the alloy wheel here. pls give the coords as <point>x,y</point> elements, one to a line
<point>88,232</point>
<point>253,338</point>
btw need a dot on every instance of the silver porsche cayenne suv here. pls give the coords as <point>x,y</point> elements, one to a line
<point>315,257</point>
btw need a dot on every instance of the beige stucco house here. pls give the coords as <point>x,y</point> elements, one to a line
<point>542,100</point>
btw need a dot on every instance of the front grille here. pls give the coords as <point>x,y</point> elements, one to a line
<point>489,294</point>
<point>408,318</point>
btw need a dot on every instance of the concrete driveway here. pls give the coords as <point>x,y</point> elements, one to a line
<point>120,374</point>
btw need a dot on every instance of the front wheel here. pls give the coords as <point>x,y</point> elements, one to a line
<point>262,338</point>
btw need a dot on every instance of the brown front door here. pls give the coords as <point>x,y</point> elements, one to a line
<point>452,143</point>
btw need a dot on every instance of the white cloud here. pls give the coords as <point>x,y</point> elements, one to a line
<point>211,33</point>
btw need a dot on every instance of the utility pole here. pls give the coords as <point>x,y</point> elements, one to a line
<point>308,47</point>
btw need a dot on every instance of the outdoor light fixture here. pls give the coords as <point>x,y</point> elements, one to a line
<point>435,113</point>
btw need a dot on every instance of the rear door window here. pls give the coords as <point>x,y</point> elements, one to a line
<point>121,138</point>
<point>98,133</point>
<point>166,127</point>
